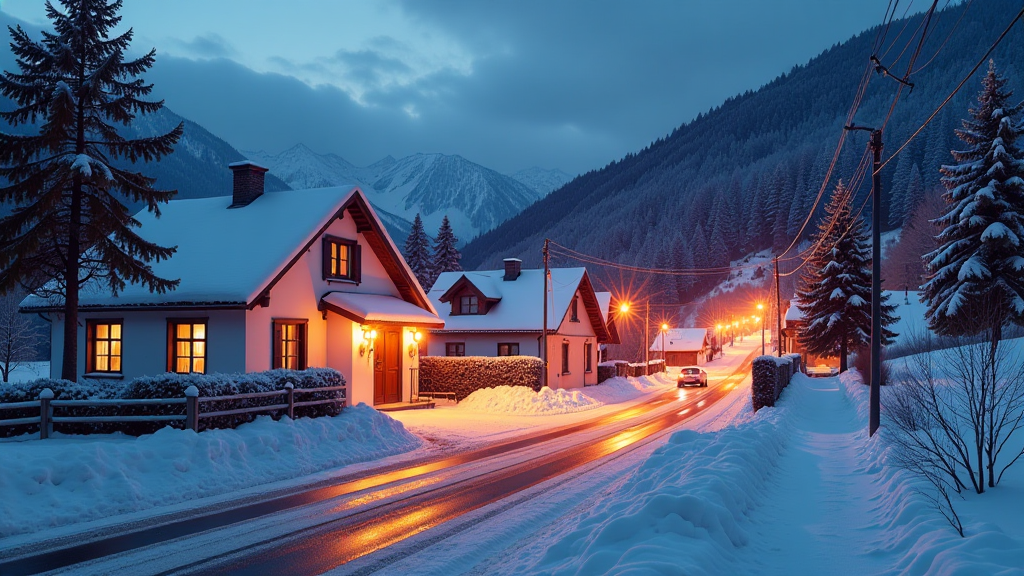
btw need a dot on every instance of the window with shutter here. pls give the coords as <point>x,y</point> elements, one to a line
<point>290,344</point>
<point>341,259</point>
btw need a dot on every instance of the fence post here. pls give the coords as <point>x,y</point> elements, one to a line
<point>45,413</point>
<point>192,408</point>
<point>291,399</point>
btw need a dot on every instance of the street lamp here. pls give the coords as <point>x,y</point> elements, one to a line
<point>719,340</point>
<point>735,328</point>
<point>664,336</point>
<point>624,309</point>
<point>760,308</point>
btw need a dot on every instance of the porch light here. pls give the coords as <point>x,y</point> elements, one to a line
<point>369,335</point>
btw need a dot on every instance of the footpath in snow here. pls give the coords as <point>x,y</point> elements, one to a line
<point>798,489</point>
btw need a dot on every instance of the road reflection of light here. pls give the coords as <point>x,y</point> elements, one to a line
<point>700,404</point>
<point>386,492</point>
<point>684,412</point>
<point>682,394</point>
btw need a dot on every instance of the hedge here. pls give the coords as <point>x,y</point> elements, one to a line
<point>464,375</point>
<point>171,386</point>
<point>770,376</point>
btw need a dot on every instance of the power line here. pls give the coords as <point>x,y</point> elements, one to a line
<point>955,90</point>
<point>948,36</point>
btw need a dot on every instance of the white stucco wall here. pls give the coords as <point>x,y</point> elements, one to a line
<point>144,340</point>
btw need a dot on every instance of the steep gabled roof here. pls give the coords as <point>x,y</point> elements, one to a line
<point>234,257</point>
<point>682,340</point>
<point>520,308</point>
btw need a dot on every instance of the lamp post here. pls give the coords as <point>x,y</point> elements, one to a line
<point>735,328</point>
<point>414,351</point>
<point>624,309</point>
<point>719,340</point>
<point>760,308</point>
<point>664,336</point>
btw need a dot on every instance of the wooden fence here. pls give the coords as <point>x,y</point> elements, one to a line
<point>192,401</point>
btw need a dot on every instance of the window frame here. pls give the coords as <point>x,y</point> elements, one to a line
<point>301,338</point>
<point>354,259</point>
<point>172,344</point>
<point>588,360</point>
<point>474,301</point>
<point>574,309</point>
<point>448,346</point>
<point>90,345</point>
<point>565,357</point>
<point>509,345</point>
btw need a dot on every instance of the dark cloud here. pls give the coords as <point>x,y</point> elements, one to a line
<point>207,46</point>
<point>570,84</point>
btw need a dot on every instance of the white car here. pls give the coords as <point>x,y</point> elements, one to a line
<point>692,376</point>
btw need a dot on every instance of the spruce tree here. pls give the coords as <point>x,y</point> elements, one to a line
<point>69,222</point>
<point>446,255</point>
<point>417,253</point>
<point>835,295</point>
<point>976,275</point>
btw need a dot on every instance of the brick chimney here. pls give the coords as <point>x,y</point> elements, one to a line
<point>248,182</point>
<point>513,268</point>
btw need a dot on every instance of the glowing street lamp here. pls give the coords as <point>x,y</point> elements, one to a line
<point>760,308</point>
<point>721,352</point>
<point>624,308</point>
<point>664,336</point>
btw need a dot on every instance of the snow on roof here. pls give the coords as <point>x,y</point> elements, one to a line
<point>520,308</point>
<point>794,313</point>
<point>370,308</point>
<point>224,256</point>
<point>604,299</point>
<point>681,340</point>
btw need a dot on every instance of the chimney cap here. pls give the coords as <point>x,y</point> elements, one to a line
<point>247,164</point>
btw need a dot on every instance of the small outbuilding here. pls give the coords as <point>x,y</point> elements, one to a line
<point>683,346</point>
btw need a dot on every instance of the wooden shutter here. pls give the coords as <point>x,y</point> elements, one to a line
<point>300,333</point>
<point>325,250</point>
<point>357,263</point>
<point>278,349</point>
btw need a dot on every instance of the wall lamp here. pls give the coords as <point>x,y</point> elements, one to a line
<point>369,336</point>
<point>416,337</point>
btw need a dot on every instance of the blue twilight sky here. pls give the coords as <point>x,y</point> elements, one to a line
<point>509,84</point>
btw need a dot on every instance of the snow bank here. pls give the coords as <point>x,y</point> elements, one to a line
<point>523,401</point>
<point>682,511</point>
<point>65,480</point>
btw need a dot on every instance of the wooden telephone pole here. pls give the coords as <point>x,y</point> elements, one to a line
<point>544,333</point>
<point>778,314</point>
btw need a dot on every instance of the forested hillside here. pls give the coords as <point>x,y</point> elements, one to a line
<point>743,176</point>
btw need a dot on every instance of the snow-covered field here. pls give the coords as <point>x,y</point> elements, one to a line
<point>69,479</point>
<point>798,489</point>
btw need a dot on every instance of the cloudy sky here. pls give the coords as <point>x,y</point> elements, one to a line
<point>509,84</point>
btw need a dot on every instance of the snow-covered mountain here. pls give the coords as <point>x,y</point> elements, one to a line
<point>542,180</point>
<point>475,198</point>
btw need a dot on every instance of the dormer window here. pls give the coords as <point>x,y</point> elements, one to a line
<point>341,259</point>
<point>469,304</point>
<point>575,310</point>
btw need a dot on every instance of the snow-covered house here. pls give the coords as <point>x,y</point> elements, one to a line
<point>683,346</point>
<point>500,313</point>
<point>290,279</point>
<point>793,323</point>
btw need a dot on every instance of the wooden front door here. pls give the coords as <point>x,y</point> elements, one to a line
<point>387,366</point>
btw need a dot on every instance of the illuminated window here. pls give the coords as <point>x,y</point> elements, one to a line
<point>341,259</point>
<point>290,344</point>
<point>187,339</point>
<point>104,346</point>
<point>469,305</point>
<point>455,349</point>
<point>508,349</point>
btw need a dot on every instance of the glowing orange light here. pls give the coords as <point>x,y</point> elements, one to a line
<point>760,306</point>
<point>624,307</point>
<point>664,326</point>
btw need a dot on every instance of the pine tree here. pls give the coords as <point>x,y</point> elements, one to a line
<point>914,195</point>
<point>835,295</point>
<point>69,222</point>
<point>417,253</point>
<point>976,275</point>
<point>446,255</point>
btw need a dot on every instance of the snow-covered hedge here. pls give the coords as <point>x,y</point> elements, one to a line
<point>170,386</point>
<point>464,375</point>
<point>611,369</point>
<point>770,375</point>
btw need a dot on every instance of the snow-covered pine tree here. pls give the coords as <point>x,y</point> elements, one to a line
<point>976,275</point>
<point>835,292</point>
<point>417,252</point>
<point>446,255</point>
<point>914,196</point>
<point>69,222</point>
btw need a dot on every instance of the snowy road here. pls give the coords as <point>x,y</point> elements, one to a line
<point>317,530</point>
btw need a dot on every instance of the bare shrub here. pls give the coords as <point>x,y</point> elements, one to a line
<point>18,336</point>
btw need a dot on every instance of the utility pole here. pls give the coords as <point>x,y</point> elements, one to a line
<point>874,398</point>
<point>876,283</point>
<point>647,334</point>
<point>544,332</point>
<point>777,337</point>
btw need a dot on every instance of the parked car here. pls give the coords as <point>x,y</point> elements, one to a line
<point>692,376</point>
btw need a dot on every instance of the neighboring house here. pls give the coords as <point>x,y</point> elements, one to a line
<point>683,346</point>
<point>793,323</point>
<point>604,299</point>
<point>278,280</point>
<point>500,313</point>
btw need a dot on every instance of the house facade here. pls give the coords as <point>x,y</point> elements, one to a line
<point>294,279</point>
<point>500,313</point>
<point>683,346</point>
